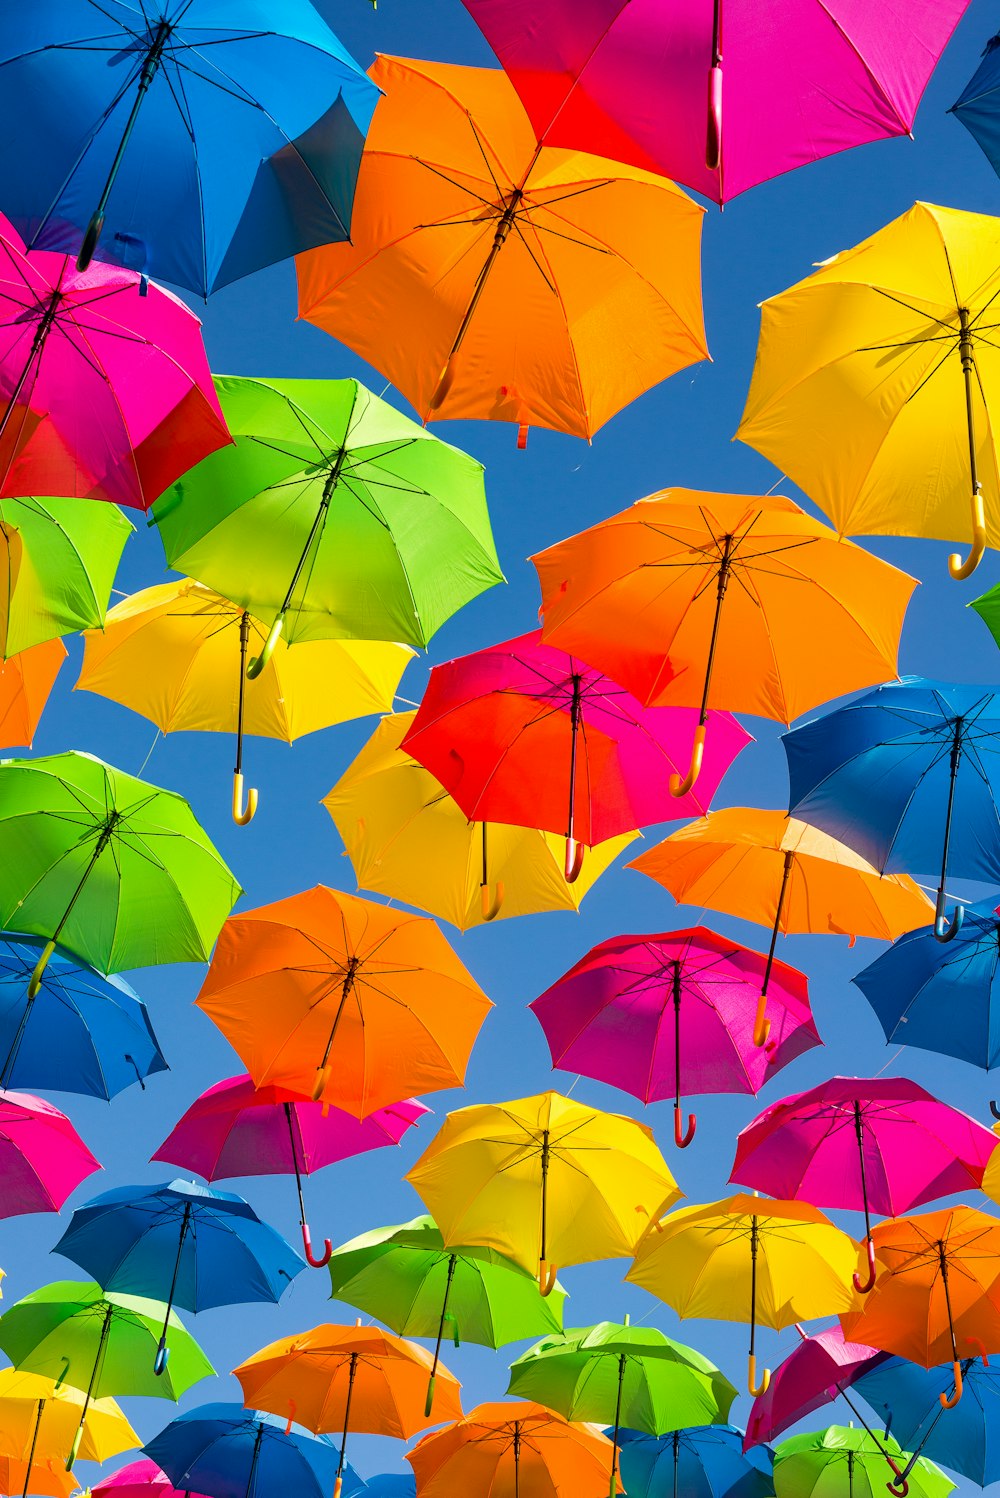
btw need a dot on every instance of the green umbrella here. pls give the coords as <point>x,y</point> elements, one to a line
<point>103,1343</point>
<point>60,557</point>
<point>628,1376</point>
<point>407,1278</point>
<point>331,514</point>
<point>115,870</point>
<point>847,1463</point>
<point>987,606</point>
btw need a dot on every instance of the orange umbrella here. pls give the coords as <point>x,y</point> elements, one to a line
<point>937,1295</point>
<point>491,276</point>
<point>26,680</point>
<point>47,1475</point>
<point>344,1000</point>
<point>349,1378</point>
<point>511,1450</point>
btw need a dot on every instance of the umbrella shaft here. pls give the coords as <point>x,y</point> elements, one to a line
<point>34,353</point>
<point>956,756</point>
<point>102,843</point>
<point>753,1283</point>
<point>677,1462</point>
<point>34,1443</point>
<point>444,1312</point>
<point>618,1417</point>
<point>333,479</point>
<point>517,1459</point>
<point>244,644</point>
<point>574,720</point>
<point>347,1412</point>
<point>947,1301</point>
<point>545,1191</point>
<point>677,1034</point>
<point>253,1461</point>
<point>150,64</point>
<point>785,876</point>
<point>185,1224</point>
<point>717,33</point>
<point>348,984</point>
<point>721,584</point>
<point>859,1129</point>
<point>15,1045</point>
<point>295,1161</point>
<point>968,369</point>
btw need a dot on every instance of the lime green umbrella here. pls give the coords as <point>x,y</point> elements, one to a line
<point>845,1463</point>
<point>59,557</point>
<point>104,1343</point>
<point>331,514</point>
<point>987,606</point>
<point>114,870</point>
<point>407,1278</point>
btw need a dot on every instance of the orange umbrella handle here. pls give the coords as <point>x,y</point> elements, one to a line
<point>242,815</point>
<point>762,1026</point>
<point>679,787</point>
<point>546,1276</point>
<point>574,860</point>
<point>958,569</point>
<point>950,1403</point>
<point>752,1385</point>
<point>980,1349</point>
<point>490,905</point>
<point>864,1287</point>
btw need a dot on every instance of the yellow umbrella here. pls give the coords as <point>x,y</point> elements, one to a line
<point>39,1418</point>
<point>408,839</point>
<point>877,380</point>
<point>177,654</point>
<point>544,1180</point>
<point>749,1259</point>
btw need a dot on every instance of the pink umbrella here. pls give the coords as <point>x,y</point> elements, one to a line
<point>635,1005</point>
<point>105,390</point>
<point>235,1129</point>
<point>525,734</point>
<point>42,1157</point>
<point>878,1144</point>
<point>812,1375</point>
<point>642,80</point>
<point>139,1480</point>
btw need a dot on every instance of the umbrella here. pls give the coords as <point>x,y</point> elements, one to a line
<point>391,1485</point>
<point>631,1375</point>
<point>524,733</point>
<point>814,1373</point>
<point>635,1006</point>
<point>333,516</point>
<point>908,1398</point>
<point>142,1479</point>
<point>808,617</point>
<point>489,276</point>
<point>190,142</point>
<point>349,1378</point>
<point>875,378</point>
<point>406,1277</point>
<point>195,1247</point>
<point>45,1475</point>
<point>116,871</point>
<point>703,1462</point>
<point>26,679</point>
<point>630,81</point>
<point>880,1144</point>
<point>80,1032</point>
<point>748,1259</point>
<point>38,1417</point>
<point>100,1342</point>
<point>42,1157</point>
<point>511,1448</point>
<point>177,654</point>
<point>937,1296</point>
<point>60,560</point>
<point>545,1181</point>
<point>408,839</point>
<point>352,1002</point>
<point>977,106</point>
<point>236,1129</point>
<point>903,775</point>
<point>836,1461</point>
<point>227,1451</point>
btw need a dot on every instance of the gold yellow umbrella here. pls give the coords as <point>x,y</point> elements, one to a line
<point>39,1419</point>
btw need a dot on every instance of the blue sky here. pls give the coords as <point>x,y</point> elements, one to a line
<point>678,434</point>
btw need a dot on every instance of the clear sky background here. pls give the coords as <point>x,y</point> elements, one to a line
<point>678,434</point>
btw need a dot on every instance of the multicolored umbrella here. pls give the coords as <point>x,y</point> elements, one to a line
<point>908,1398</point>
<point>814,1373</point>
<point>705,1461</point>
<point>39,1417</point>
<point>26,679</point>
<point>825,1464</point>
<point>42,1157</point>
<point>512,1448</point>
<point>224,1449</point>
<point>142,1479</point>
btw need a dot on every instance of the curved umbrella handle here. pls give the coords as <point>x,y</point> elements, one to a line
<point>256,666</point>
<point>162,1358</point>
<point>683,1137</point>
<point>242,815</point>
<point>898,1484</point>
<point>445,383</point>
<point>429,1401</point>
<point>546,1277</point>
<point>942,930</point>
<point>319,1086</point>
<point>950,1403</point>
<point>864,1287</point>
<point>761,1026</point>
<point>994,1110</point>
<point>574,860</point>
<point>752,1386</point>
<point>338,1487</point>
<point>958,569</point>
<point>679,787</point>
<point>35,981</point>
<point>291,1417</point>
<point>713,140</point>
<point>490,905</point>
<point>307,1246</point>
<point>74,1450</point>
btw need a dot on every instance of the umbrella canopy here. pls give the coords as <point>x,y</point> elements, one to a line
<point>629,81</point>
<point>636,1010</point>
<point>875,383</point>
<point>524,733</point>
<point>545,1181</point>
<point>26,679</point>
<point>352,1002</point>
<point>978,108</point>
<point>142,1479</point>
<point>39,1416</point>
<point>80,1032</point>
<point>391,1485</point>
<point>408,839</point>
<point>491,276</point>
<point>197,145</point>
<point>814,1373</point>
<point>510,1449</point>
<point>704,1462</point>
<point>42,1157</point>
<point>332,516</point>
<point>909,1399</point>
<point>45,1475</point>
<point>825,1464</point>
<point>748,1259</point>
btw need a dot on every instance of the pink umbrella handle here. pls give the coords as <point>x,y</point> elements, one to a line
<point>679,787</point>
<point>682,1137</point>
<point>574,860</point>
<point>949,1403</point>
<point>713,142</point>
<point>490,904</point>
<point>864,1287</point>
<point>307,1245</point>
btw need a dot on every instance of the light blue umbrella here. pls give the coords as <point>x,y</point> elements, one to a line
<point>965,1437</point>
<point>704,1461</point>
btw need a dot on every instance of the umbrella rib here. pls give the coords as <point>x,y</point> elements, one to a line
<point>917,311</point>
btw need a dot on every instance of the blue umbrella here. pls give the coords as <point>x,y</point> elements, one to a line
<point>188,1244</point>
<point>965,1437</point>
<point>195,140</point>
<point>391,1485</point>
<point>979,107</point>
<point>80,1032</point>
<point>226,1451</point>
<point>704,1461</point>
<point>905,776</point>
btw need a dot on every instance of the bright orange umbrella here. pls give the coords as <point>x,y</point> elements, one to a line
<point>343,1000</point>
<point>343,1378</point>
<point>490,276</point>
<point>511,1450</point>
<point>25,683</point>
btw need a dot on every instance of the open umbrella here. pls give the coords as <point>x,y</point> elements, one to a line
<point>825,1464</point>
<point>142,1479</point>
<point>813,1374</point>
<point>516,1448</point>
<point>39,1417</point>
<point>908,1398</point>
<point>391,1485</point>
<point>189,141</point>
<point>26,679</point>
<point>489,276</point>
<point>226,1451</point>
<point>42,1157</point>
<point>45,1475</point>
<point>978,107</point>
<point>705,1461</point>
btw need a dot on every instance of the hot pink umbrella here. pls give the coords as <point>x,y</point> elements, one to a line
<point>139,1480</point>
<point>636,1007</point>
<point>42,1157</point>
<point>878,1144</point>
<point>236,1129</point>
<point>525,734</point>
<point>105,390</point>
<point>813,1374</point>
<point>642,80</point>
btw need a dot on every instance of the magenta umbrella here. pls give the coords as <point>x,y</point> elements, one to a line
<point>105,390</point>
<point>878,1144</point>
<point>142,1479</point>
<point>812,1375</point>
<point>718,94</point>
<point>42,1157</point>
<point>635,1006</point>
<point>236,1129</point>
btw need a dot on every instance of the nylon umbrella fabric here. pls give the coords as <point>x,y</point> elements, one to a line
<point>704,1462</point>
<point>825,1464</point>
<point>26,679</point>
<point>141,1479</point>
<point>908,1399</point>
<point>813,1374</point>
<point>39,1416</point>
<point>42,1157</point>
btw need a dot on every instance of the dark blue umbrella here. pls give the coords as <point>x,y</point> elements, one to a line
<point>227,1451</point>
<point>183,1243</point>
<point>79,1033</point>
<point>704,1461</point>
<point>979,107</point>
<point>906,775</point>
<point>194,140</point>
<point>965,1438</point>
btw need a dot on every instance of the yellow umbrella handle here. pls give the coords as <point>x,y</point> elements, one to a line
<point>762,1026</point>
<point>949,1403</point>
<point>958,569</point>
<point>491,904</point>
<point>243,815</point>
<point>679,787</point>
<point>36,977</point>
<point>574,860</point>
<point>752,1385</point>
